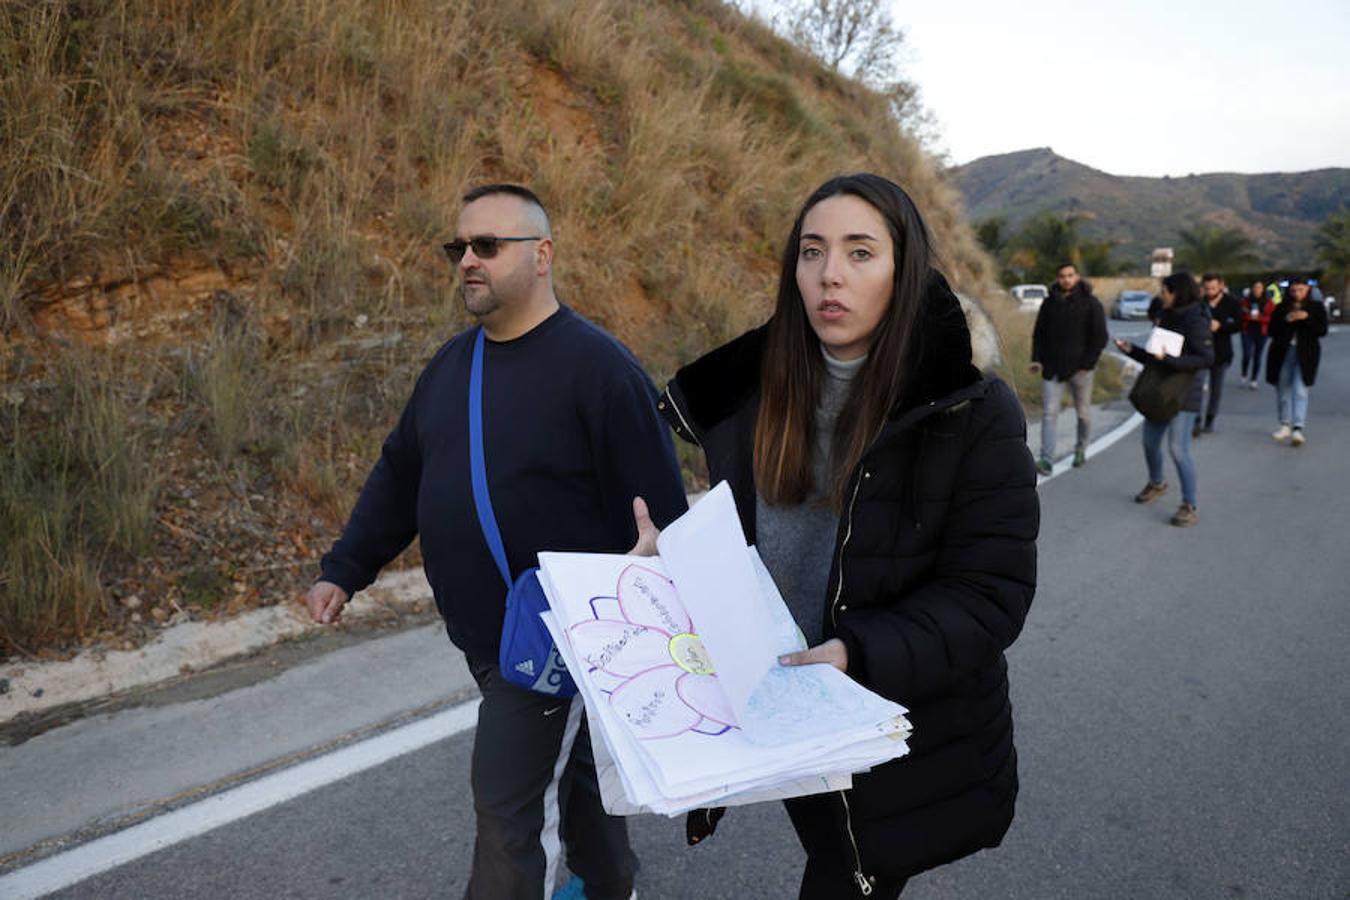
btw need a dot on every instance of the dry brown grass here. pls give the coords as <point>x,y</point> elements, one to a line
<point>313,152</point>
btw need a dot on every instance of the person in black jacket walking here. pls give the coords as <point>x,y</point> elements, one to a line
<point>1225,315</point>
<point>1066,342</point>
<point>571,436</point>
<point>888,486</point>
<point>1257,308</point>
<point>1298,324</point>
<point>1184,314</point>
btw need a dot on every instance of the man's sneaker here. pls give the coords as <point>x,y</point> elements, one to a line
<point>1079,458</point>
<point>1298,438</point>
<point>1150,492</point>
<point>1253,385</point>
<point>1281,433</point>
<point>1185,516</point>
<point>1044,467</point>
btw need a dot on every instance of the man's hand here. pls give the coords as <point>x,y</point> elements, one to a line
<point>1213,324</point>
<point>1123,345</point>
<point>1034,368</point>
<point>647,531</point>
<point>833,651</point>
<point>1297,315</point>
<point>325,601</point>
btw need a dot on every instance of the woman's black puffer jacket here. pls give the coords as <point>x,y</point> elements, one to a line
<point>933,573</point>
<point>1197,352</point>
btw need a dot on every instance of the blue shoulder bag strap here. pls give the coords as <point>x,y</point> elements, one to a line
<point>482,502</point>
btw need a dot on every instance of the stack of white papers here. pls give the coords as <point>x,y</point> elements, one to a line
<point>676,657</point>
<point>1165,341</point>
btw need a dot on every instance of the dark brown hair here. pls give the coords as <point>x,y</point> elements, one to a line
<point>1183,289</point>
<point>793,368</point>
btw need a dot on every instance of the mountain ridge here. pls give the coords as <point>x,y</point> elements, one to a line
<point>1279,211</point>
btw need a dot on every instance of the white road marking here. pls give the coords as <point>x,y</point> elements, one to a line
<point>1098,446</point>
<point>87,860</point>
<point>77,864</point>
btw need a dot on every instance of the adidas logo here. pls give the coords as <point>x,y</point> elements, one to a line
<point>527,667</point>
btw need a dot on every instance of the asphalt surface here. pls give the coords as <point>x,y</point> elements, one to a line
<point>1181,709</point>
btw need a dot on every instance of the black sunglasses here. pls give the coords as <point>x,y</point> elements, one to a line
<point>483,247</point>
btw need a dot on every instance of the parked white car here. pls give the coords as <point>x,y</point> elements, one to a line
<point>1030,296</point>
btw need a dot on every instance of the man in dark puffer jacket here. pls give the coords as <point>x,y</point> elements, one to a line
<point>1066,342</point>
<point>933,572</point>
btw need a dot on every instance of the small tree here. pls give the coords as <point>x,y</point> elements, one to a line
<point>993,234</point>
<point>1095,258</point>
<point>854,37</point>
<point>1044,243</point>
<point>1209,248</point>
<point>1333,247</point>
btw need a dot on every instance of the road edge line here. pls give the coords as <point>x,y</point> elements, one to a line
<point>1100,445</point>
<point>72,866</point>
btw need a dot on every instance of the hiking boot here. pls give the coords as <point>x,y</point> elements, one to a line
<point>1298,439</point>
<point>1079,458</point>
<point>1150,492</point>
<point>1186,515</point>
<point>1044,467</point>
<point>1281,433</point>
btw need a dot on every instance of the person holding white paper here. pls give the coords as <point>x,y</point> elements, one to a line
<point>888,487</point>
<point>1184,314</point>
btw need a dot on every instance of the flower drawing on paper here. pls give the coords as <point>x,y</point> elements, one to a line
<point>642,650</point>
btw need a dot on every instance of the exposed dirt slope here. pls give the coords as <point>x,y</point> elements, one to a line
<point>220,271</point>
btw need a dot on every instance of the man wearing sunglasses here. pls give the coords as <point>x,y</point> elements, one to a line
<point>571,436</point>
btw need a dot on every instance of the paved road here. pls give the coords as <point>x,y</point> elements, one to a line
<point>1181,700</point>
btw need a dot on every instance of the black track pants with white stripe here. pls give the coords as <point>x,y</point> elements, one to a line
<point>534,793</point>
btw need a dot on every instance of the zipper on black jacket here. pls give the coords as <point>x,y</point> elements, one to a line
<point>668,397</point>
<point>914,478</point>
<point>859,877</point>
<point>848,533</point>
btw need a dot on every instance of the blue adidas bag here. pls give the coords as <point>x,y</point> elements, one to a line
<point>527,657</point>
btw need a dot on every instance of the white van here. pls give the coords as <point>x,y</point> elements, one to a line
<point>1029,296</point>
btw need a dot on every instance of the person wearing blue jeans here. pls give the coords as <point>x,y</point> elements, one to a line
<point>1257,309</point>
<point>1296,332</point>
<point>1184,314</point>
<point>1291,400</point>
<point>1178,431</point>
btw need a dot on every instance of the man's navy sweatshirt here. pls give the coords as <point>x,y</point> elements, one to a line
<point>571,435</point>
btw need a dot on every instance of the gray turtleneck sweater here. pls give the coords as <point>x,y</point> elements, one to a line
<point>796,542</point>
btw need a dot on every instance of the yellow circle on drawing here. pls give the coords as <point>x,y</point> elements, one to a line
<point>688,652</point>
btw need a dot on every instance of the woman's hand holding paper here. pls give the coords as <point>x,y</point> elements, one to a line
<point>833,651</point>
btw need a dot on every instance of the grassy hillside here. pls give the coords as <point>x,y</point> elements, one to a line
<point>220,270</point>
<point>1280,212</point>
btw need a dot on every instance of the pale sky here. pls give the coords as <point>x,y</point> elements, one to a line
<point>1150,87</point>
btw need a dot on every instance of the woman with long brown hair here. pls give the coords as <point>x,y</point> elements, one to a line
<point>889,489</point>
